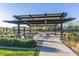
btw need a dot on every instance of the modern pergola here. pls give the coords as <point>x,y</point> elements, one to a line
<point>53,19</point>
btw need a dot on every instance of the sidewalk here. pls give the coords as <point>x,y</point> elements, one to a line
<point>53,47</point>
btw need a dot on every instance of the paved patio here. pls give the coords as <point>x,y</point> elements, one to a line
<point>54,47</point>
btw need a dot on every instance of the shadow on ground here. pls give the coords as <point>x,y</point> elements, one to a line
<point>49,41</point>
<point>49,49</point>
<point>52,50</point>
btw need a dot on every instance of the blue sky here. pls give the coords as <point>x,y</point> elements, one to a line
<point>7,11</point>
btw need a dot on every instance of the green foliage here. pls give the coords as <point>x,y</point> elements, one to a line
<point>18,43</point>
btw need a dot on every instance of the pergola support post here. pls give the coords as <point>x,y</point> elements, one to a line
<point>36,29</point>
<point>30,31</point>
<point>45,24</point>
<point>18,30</point>
<point>6,29</point>
<point>61,30</point>
<point>24,30</point>
<point>55,29</point>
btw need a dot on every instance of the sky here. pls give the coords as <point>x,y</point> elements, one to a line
<point>8,10</point>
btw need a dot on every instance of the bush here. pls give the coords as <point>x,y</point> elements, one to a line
<point>18,43</point>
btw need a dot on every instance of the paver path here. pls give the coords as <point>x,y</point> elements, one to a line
<point>53,47</point>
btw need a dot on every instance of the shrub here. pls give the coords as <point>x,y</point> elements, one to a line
<point>18,43</point>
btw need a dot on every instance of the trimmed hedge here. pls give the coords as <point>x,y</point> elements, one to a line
<point>18,43</point>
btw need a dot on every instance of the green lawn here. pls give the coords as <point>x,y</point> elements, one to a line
<point>10,52</point>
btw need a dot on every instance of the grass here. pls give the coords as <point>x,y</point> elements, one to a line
<point>11,52</point>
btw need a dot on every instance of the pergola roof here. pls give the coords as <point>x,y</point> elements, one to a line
<point>52,15</point>
<point>39,21</point>
<point>54,18</point>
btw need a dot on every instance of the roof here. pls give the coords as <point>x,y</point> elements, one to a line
<point>53,18</point>
<point>38,16</point>
<point>39,21</point>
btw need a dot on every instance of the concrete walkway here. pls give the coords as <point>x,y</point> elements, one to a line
<point>53,47</point>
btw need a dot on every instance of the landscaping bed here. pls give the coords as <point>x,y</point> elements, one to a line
<point>69,46</point>
<point>72,41</point>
